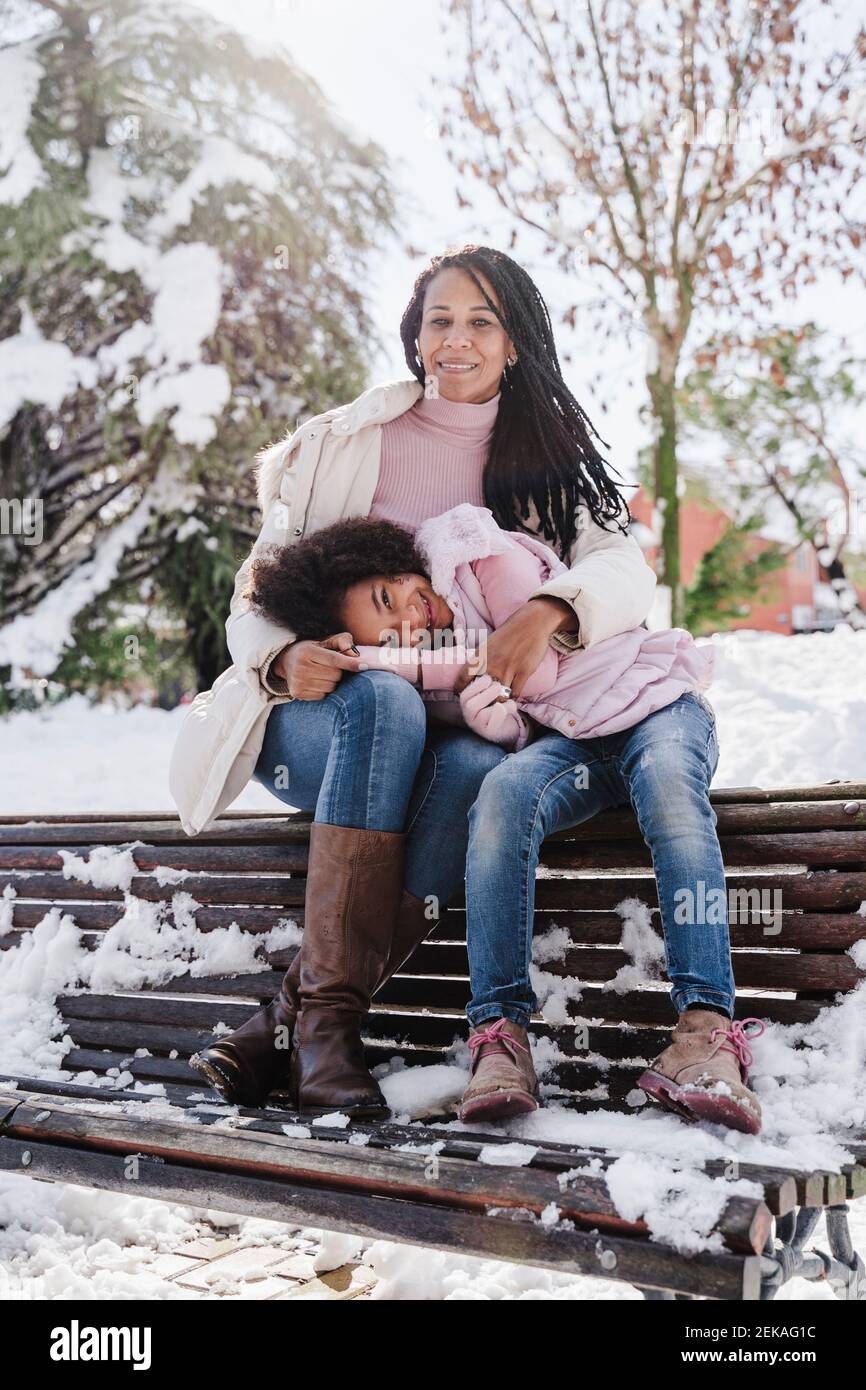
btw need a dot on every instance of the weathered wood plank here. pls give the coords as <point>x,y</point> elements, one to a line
<point>255,889</point>
<point>827,848</point>
<point>725,1276</point>
<point>828,931</point>
<point>435,969</point>
<point>198,1018</point>
<point>813,849</point>
<point>794,930</point>
<point>820,890</point>
<point>779,1185</point>
<point>744,1223</point>
<point>752,969</point>
<point>816,891</point>
<point>795,809</point>
<point>98,916</point>
<point>194,858</point>
<point>411,994</point>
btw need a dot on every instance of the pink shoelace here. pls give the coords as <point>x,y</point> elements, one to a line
<point>496,1033</point>
<point>739,1038</point>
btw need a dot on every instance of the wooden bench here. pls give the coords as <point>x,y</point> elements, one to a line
<point>250,870</point>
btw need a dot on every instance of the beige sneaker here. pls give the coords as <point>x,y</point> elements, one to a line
<point>703,1075</point>
<point>502,1080</point>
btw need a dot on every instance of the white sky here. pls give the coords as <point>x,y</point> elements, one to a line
<point>384,66</point>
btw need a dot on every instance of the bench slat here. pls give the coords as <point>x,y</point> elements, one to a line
<point>823,889</point>
<point>794,813</point>
<point>799,930</point>
<point>812,849</point>
<point>744,1223</point>
<point>637,1261</point>
<point>432,1029</point>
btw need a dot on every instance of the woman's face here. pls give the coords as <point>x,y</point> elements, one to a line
<point>375,607</point>
<point>462,344</point>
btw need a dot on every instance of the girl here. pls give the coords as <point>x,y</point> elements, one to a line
<point>423,609</point>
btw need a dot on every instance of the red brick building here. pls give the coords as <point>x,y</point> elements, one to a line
<point>790,599</point>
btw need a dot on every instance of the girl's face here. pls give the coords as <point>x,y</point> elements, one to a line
<point>462,344</point>
<point>375,607</point>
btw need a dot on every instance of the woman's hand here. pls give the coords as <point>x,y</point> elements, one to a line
<point>312,670</point>
<point>515,650</point>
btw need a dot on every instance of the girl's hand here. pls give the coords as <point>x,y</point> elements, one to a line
<point>312,670</point>
<point>515,650</point>
<point>493,715</point>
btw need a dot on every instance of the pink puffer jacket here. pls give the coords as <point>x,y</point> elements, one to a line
<point>485,574</point>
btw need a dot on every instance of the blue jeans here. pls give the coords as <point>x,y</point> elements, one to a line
<point>364,756</point>
<point>663,766</point>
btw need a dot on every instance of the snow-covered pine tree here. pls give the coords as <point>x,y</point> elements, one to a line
<point>185,224</point>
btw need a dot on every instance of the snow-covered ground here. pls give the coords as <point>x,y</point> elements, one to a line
<point>790,710</point>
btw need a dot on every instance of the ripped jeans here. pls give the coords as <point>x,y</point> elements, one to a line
<point>663,766</point>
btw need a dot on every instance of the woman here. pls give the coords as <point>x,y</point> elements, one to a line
<point>485,418</point>
<point>417,607</point>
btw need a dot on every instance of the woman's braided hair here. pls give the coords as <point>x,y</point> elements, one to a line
<point>541,450</point>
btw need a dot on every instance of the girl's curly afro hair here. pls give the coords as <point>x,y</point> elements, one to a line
<point>302,586</point>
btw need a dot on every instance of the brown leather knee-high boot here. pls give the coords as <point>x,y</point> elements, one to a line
<point>246,1065</point>
<point>354,886</point>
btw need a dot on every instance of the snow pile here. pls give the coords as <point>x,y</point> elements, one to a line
<point>20,75</point>
<point>64,1242</point>
<point>789,709</point>
<point>154,942</point>
<point>645,947</point>
<point>439,1093</point>
<point>6,905</point>
<point>405,1272</point>
<point>76,756</point>
<point>106,866</point>
<point>71,1242</point>
<point>679,1205</point>
<point>508,1155</point>
<point>553,992</point>
<point>811,1077</point>
<point>32,974</point>
<point>32,368</point>
<point>150,944</point>
<point>221,162</point>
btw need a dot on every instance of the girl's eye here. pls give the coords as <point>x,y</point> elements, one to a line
<point>385,599</point>
<point>480,323</point>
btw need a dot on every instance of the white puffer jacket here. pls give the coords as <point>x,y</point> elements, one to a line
<point>328,469</point>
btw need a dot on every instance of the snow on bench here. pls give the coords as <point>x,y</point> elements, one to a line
<point>125,947</point>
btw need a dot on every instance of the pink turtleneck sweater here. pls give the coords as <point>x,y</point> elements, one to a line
<point>433,456</point>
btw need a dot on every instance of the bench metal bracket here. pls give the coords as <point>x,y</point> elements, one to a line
<point>842,1268</point>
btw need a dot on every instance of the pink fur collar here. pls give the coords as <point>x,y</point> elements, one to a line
<point>456,537</point>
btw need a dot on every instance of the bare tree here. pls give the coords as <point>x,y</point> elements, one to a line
<point>697,159</point>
